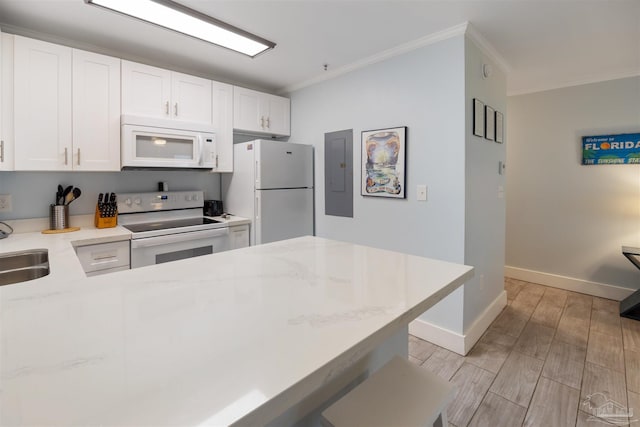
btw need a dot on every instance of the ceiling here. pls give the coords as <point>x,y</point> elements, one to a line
<point>544,43</point>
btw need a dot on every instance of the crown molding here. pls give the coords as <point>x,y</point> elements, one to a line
<point>448,33</point>
<point>579,82</point>
<point>487,48</point>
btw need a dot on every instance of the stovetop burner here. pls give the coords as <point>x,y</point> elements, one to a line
<point>168,224</point>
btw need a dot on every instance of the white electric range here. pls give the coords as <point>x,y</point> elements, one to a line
<point>169,226</point>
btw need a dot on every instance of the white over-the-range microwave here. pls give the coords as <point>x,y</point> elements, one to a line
<point>158,143</point>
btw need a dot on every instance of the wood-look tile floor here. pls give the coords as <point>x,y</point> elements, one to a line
<point>539,360</point>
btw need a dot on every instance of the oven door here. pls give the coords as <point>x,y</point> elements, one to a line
<point>173,247</point>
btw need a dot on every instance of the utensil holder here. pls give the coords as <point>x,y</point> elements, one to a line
<point>58,217</point>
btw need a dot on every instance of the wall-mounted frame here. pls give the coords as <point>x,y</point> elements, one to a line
<point>618,149</point>
<point>384,162</point>
<point>478,117</point>
<point>499,127</point>
<point>490,123</point>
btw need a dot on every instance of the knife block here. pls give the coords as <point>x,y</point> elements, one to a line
<point>105,221</point>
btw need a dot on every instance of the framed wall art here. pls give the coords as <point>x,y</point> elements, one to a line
<point>478,118</point>
<point>499,127</point>
<point>384,162</point>
<point>490,123</point>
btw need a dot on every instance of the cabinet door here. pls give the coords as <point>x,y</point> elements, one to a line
<point>246,110</point>
<point>279,115</point>
<point>96,112</point>
<point>6,102</point>
<point>239,236</point>
<point>223,122</point>
<point>190,98</point>
<point>146,90</point>
<point>42,75</point>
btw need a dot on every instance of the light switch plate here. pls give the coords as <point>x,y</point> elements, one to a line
<point>421,192</point>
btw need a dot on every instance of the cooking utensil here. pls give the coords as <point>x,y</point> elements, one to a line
<point>59,195</point>
<point>73,195</point>
<point>66,192</point>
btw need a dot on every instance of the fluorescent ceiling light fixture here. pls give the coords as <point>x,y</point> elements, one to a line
<point>176,17</point>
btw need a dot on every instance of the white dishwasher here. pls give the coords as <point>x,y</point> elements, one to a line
<point>103,258</point>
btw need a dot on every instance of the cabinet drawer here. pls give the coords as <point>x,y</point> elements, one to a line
<point>103,256</point>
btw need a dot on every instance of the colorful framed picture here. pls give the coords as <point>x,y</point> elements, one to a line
<point>499,127</point>
<point>384,162</point>
<point>478,118</point>
<point>490,123</point>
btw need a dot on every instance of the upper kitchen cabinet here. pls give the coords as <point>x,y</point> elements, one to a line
<point>155,92</point>
<point>223,122</point>
<point>260,113</point>
<point>6,102</point>
<point>96,112</point>
<point>66,107</point>
<point>42,105</point>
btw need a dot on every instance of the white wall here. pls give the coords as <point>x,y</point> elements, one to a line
<point>32,192</point>
<point>484,202</point>
<point>423,90</point>
<point>564,218</point>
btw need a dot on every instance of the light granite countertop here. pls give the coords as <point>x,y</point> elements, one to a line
<point>212,340</point>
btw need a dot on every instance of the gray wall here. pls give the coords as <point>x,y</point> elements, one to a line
<point>425,91</point>
<point>484,201</point>
<point>32,192</point>
<point>564,218</point>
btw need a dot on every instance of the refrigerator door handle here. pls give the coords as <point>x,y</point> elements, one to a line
<point>256,214</point>
<point>257,175</point>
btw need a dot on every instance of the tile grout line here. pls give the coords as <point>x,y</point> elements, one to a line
<point>545,361</point>
<point>584,365</point>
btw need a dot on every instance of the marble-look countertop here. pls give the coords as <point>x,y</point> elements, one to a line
<point>212,340</point>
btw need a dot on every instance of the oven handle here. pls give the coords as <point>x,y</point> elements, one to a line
<point>179,237</point>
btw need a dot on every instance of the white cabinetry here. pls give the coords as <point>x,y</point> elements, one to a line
<point>67,108</point>
<point>155,92</point>
<point>96,112</point>
<point>222,97</point>
<point>260,113</point>
<point>239,236</point>
<point>6,102</point>
<point>42,83</point>
<point>103,258</point>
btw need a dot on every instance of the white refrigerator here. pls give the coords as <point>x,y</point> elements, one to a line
<point>271,184</point>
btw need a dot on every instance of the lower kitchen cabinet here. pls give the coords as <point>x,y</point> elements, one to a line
<point>239,236</point>
<point>103,258</point>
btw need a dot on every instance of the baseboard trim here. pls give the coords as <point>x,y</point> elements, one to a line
<point>482,323</point>
<point>453,341</point>
<point>596,289</point>
<point>439,336</point>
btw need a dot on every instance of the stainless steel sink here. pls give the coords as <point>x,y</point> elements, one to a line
<point>16,267</point>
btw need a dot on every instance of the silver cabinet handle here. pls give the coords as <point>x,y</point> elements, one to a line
<point>166,108</point>
<point>262,122</point>
<point>175,109</point>
<point>1,151</point>
<point>78,157</point>
<point>65,156</point>
<point>268,125</point>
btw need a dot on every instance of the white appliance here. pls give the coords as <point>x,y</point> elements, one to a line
<point>169,226</point>
<point>272,184</point>
<point>159,143</point>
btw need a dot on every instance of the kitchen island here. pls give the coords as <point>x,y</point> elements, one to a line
<point>254,336</point>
